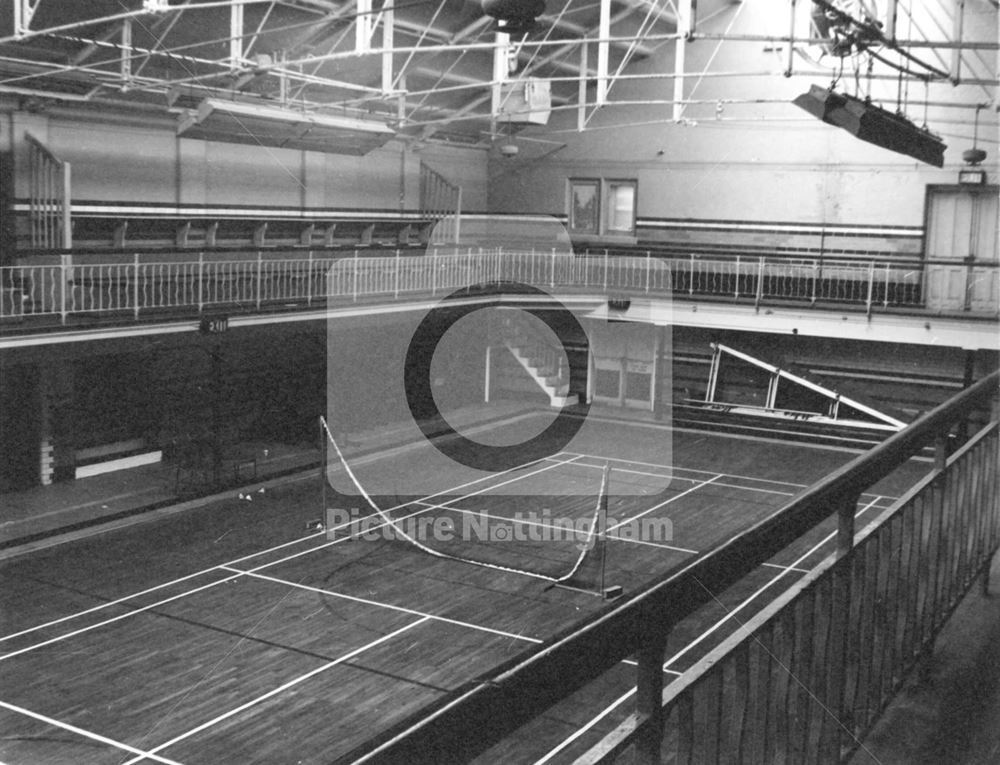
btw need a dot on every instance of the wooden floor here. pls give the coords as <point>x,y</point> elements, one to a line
<point>230,635</point>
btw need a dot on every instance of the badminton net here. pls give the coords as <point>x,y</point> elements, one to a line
<point>567,548</point>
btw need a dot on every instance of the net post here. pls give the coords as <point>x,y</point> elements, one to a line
<point>322,463</point>
<point>596,549</point>
<point>602,519</point>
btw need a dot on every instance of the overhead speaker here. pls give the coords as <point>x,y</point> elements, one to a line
<point>873,124</point>
<point>526,101</point>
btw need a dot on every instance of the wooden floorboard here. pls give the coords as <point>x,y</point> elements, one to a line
<point>193,639</point>
<point>444,589</point>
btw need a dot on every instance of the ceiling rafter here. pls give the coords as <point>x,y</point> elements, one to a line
<point>349,55</point>
<point>557,58</point>
<point>91,48</point>
<point>656,8</point>
<point>302,54</point>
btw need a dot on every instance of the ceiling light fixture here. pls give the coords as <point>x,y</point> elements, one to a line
<point>873,124</point>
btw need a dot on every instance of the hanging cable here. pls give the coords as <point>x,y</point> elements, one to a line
<point>868,78</point>
<point>927,95</point>
<point>909,36</point>
<point>838,76</point>
<point>899,93</point>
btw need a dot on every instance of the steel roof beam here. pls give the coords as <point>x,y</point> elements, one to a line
<point>661,13</point>
<point>92,47</point>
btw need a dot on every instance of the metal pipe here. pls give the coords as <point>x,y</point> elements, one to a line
<point>388,40</point>
<point>956,53</point>
<point>603,32</point>
<point>791,36</point>
<point>922,43</point>
<point>685,29</point>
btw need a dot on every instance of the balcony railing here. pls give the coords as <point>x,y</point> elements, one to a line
<point>803,680</point>
<point>63,286</point>
<point>808,677</point>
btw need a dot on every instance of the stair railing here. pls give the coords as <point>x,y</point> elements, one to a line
<point>48,197</point>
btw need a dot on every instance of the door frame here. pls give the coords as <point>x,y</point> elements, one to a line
<point>967,264</point>
<point>931,188</point>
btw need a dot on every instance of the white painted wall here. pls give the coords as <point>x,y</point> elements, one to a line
<point>763,159</point>
<point>149,163</point>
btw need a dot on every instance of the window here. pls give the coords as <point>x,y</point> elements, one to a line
<point>598,206</point>
<point>620,205</point>
<point>584,206</point>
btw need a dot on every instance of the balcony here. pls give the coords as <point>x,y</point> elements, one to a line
<point>53,292</point>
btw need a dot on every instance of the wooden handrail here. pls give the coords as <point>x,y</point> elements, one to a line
<point>49,154</point>
<point>787,612</point>
<point>466,723</point>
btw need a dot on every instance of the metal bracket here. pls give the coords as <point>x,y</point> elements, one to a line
<point>24,12</point>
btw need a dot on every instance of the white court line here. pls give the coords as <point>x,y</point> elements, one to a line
<point>695,552</point>
<point>390,606</point>
<point>671,474</point>
<point>695,480</point>
<point>731,485</point>
<point>678,467</point>
<point>203,572</point>
<point>672,468</point>
<point>187,577</point>
<point>551,527</point>
<point>223,567</point>
<point>280,689</point>
<point>729,615</point>
<point>113,619</point>
<point>392,521</point>
<point>559,463</point>
<point>142,755</point>
<point>126,598</point>
<point>583,729</point>
<point>741,606</point>
<point>184,594</point>
<point>665,502</point>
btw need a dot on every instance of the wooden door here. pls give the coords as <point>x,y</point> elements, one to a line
<point>961,242</point>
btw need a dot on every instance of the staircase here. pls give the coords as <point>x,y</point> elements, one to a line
<point>543,360</point>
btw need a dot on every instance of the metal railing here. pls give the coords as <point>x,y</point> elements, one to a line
<point>806,677</point>
<point>60,286</point>
<point>804,680</point>
<point>48,197</point>
<point>441,201</point>
<point>542,351</point>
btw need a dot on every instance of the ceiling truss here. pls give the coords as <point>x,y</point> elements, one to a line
<point>433,70</point>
